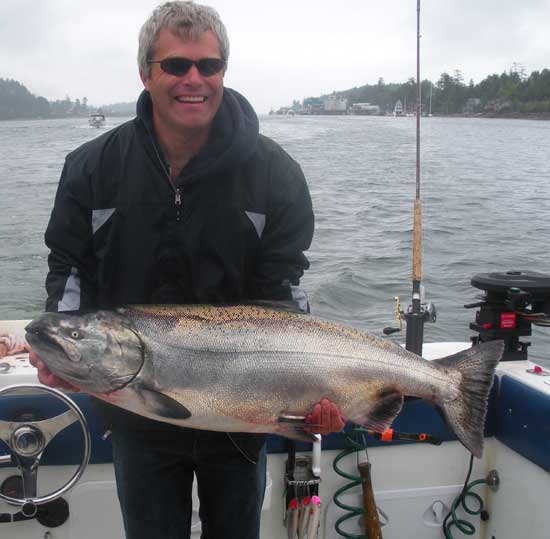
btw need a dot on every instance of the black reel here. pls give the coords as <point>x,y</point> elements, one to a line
<point>512,302</point>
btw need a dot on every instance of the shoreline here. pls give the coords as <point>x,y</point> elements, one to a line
<point>500,115</point>
<point>539,116</point>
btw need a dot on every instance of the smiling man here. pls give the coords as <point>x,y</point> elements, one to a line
<point>186,203</point>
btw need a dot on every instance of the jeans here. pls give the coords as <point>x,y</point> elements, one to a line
<point>154,468</point>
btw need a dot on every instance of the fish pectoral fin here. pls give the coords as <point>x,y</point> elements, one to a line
<point>381,415</point>
<point>293,420</point>
<point>161,404</point>
<point>293,427</point>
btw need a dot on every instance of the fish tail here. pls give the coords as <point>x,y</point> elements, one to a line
<point>466,414</point>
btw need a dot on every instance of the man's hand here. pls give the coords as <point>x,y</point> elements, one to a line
<point>326,418</point>
<point>46,377</point>
<point>11,344</point>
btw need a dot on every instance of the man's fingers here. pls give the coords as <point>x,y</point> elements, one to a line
<point>53,381</point>
<point>325,417</point>
<point>34,359</point>
<point>337,422</point>
<point>315,415</point>
<point>46,377</point>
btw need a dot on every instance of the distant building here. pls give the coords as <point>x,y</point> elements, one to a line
<point>498,105</point>
<point>364,108</point>
<point>335,105</point>
<point>313,105</point>
<point>472,105</point>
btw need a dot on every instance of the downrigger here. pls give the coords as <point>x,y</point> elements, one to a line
<point>511,303</point>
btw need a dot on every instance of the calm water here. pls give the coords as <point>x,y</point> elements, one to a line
<point>486,206</point>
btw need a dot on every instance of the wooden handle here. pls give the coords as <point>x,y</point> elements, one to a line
<point>372,522</point>
<point>417,242</point>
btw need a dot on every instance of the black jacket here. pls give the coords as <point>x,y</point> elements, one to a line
<point>233,228</point>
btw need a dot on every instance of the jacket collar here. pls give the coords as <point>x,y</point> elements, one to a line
<point>233,137</point>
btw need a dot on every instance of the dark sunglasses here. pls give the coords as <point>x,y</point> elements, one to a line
<point>180,66</point>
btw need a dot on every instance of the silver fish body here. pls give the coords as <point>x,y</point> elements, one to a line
<point>243,368</point>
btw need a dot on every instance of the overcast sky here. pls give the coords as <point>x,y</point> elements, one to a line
<point>280,50</point>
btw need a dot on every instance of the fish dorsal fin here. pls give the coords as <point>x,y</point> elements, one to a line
<point>380,416</point>
<point>160,404</point>
<point>277,305</point>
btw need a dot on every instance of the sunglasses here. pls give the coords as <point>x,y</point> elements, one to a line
<point>180,66</point>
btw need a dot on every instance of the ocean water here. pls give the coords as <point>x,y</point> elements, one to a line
<point>485,199</point>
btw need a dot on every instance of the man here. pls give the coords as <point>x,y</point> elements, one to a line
<point>186,203</point>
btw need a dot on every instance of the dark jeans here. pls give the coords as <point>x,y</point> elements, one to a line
<point>154,467</point>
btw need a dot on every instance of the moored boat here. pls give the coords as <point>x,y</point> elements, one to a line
<point>398,109</point>
<point>96,119</point>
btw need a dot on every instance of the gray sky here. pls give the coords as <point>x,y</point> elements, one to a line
<point>280,50</point>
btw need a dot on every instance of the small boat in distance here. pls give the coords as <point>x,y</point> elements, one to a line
<point>398,110</point>
<point>96,119</point>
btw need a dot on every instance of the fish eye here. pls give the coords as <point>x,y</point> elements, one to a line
<point>75,334</point>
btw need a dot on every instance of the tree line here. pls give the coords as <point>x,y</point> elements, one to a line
<point>511,91</point>
<point>17,102</point>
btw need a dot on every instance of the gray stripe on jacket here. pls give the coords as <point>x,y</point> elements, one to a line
<point>258,220</point>
<point>100,217</point>
<point>70,300</point>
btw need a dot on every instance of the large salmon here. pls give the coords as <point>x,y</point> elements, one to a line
<point>246,368</point>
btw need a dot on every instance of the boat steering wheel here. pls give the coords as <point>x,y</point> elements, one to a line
<point>27,441</point>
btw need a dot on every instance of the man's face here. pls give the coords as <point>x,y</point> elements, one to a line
<point>189,102</point>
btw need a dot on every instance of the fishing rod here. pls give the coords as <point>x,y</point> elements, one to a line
<point>417,313</point>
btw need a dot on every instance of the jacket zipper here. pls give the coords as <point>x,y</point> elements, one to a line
<point>177,202</point>
<point>177,190</point>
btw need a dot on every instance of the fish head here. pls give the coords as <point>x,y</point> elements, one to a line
<point>96,352</point>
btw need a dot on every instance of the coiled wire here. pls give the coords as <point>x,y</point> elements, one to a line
<point>452,519</point>
<point>354,480</point>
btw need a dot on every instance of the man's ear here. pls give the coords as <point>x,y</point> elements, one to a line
<point>144,79</point>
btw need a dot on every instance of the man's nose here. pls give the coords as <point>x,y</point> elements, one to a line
<point>193,76</point>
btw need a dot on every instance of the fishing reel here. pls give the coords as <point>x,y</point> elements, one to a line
<point>512,301</point>
<point>415,316</point>
<point>27,440</point>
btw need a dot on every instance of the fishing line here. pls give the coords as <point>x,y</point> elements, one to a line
<point>240,450</point>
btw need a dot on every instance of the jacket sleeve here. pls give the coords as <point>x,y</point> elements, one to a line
<point>287,234</point>
<point>71,279</point>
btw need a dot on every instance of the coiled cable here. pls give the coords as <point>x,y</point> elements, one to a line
<point>452,519</point>
<point>354,480</point>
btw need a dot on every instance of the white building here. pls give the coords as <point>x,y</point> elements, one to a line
<point>335,104</point>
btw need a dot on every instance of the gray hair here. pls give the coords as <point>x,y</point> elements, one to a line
<point>185,19</point>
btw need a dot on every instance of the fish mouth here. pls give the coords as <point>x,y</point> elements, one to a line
<point>41,335</point>
<point>51,337</point>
